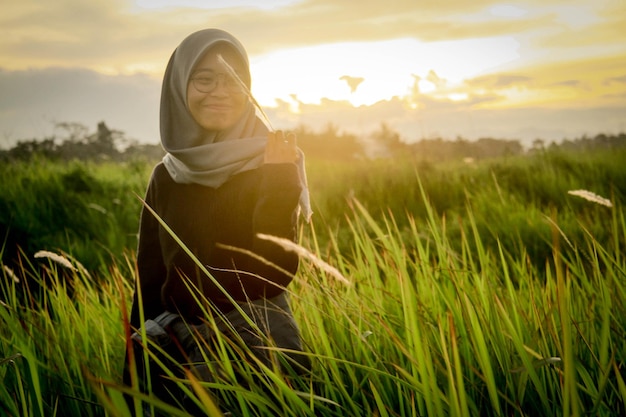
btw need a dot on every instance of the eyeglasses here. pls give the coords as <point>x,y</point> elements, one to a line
<point>205,82</point>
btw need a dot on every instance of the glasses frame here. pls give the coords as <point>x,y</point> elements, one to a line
<point>228,82</point>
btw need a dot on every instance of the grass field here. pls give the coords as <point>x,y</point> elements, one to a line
<point>483,289</point>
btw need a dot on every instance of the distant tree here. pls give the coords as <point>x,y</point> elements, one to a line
<point>72,141</point>
<point>143,151</point>
<point>75,141</point>
<point>329,144</point>
<point>585,143</point>
<point>489,148</point>
<point>75,132</point>
<point>389,139</point>
<point>538,145</point>
<point>103,142</point>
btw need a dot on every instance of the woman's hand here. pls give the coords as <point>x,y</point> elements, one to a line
<point>280,149</point>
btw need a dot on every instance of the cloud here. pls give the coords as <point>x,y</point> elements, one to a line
<point>112,34</point>
<point>618,80</point>
<point>324,21</point>
<point>102,35</point>
<point>598,25</point>
<point>568,83</point>
<point>34,100</point>
<point>448,119</point>
<point>496,81</point>
<point>56,39</point>
<point>435,79</point>
<point>353,82</point>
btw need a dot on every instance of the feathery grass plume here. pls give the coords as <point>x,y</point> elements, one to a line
<point>245,88</point>
<point>593,197</point>
<point>59,259</point>
<point>97,207</point>
<point>10,359</point>
<point>288,245</point>
<point>9,273</point>
<point>537,364</point>
<point>77,265</point>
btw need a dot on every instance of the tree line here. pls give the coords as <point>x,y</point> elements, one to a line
<point>77,142</point>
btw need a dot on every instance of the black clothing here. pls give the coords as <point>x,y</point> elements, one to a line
<point>263,200</point>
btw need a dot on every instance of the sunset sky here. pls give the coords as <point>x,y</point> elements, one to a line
<point>527,69</point>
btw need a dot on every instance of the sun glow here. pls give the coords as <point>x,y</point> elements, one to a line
<point>426,86</point>
<point>458,96</point>
<point>203,4</point>
<point>388,69</point>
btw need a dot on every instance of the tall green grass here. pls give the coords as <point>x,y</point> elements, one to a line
<point>433,323</point>
<point>90,210</point>
<point>509,198</point>
<point>483,289</point>
<point>86,209</point>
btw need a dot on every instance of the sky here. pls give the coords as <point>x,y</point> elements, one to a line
<point>522,70</point>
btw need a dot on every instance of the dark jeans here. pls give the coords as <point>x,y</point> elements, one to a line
<point>263,327</point>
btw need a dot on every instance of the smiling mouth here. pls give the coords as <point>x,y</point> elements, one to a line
<point>218,107</point>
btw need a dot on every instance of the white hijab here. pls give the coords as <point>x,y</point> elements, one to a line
<point>210,158</point>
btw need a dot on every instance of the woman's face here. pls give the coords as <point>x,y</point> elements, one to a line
<point>221,106</point>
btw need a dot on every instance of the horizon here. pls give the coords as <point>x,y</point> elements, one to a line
<point>517,71</point>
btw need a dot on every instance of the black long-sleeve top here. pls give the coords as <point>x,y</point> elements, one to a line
<point>263,200</point>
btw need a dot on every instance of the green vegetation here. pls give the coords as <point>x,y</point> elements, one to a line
<point>86,209</point>
<point>479,288</point>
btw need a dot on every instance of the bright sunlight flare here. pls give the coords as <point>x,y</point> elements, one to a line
<point>388,68</point>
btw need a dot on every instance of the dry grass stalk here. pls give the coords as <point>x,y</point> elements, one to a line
<point>590,196</point>
<point>9,273</point>
<point>80,267</point>
<point>59,259</point>
<point>245,88</point>
<point>288,245</point>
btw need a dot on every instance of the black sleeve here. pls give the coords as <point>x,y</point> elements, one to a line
<point>151,271</point>
<point>275,213</point>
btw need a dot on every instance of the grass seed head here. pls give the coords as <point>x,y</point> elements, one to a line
<point>303,253</point>
<point>9,273</point>
<point>59,259</point>
<point>593,197</point>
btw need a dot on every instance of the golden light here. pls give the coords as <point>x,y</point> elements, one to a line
<point>458,96</point>
<point>426,86</point>
<point>203,4</point>
<point>388,68</point>
<point>507,10</point>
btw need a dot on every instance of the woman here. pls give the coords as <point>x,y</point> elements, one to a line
<point>225,179</point>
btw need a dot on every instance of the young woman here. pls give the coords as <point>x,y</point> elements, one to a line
<point>224,180</point>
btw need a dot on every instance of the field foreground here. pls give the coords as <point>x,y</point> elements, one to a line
<point>402,316</point>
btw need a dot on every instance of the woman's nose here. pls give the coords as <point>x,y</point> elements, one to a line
<point>220,89</point>
<point>221,86</point>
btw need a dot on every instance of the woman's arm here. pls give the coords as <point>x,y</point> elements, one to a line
<point>274,213</point>
<point>151,271</point>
